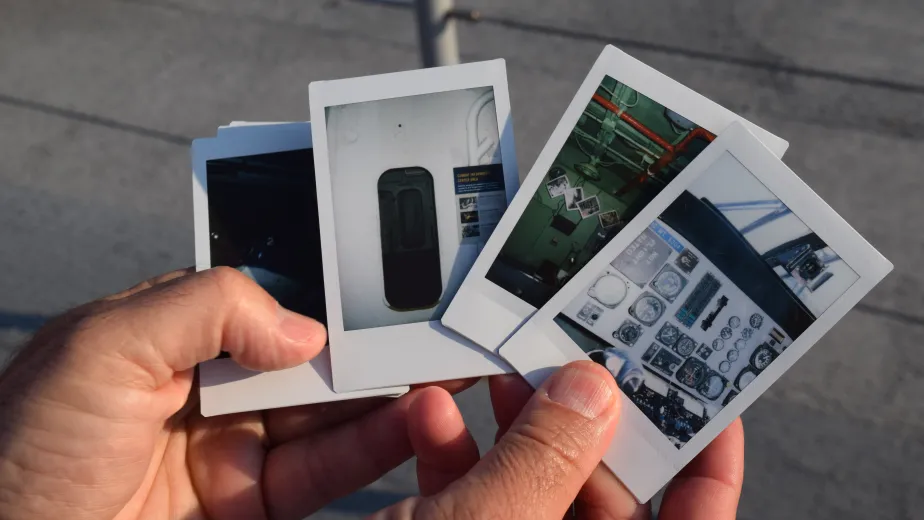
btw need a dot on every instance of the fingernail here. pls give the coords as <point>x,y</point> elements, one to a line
<point>584,391</point>
<point>294,326</point>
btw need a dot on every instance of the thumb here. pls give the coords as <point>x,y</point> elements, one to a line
<point>538,467</point>
<point>172,326</point>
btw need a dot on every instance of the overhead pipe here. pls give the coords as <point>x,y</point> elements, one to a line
<point>672,154</point>
<point>670,151</point>
<point>630,139</point>
<point>634,123</point>
<point>580,133</point>
<point>666,159</point>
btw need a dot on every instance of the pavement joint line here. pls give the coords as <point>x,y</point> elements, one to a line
<point>630,43</point>
<point>294,26</point>
<point>898,129</point>
<point>92,119</point>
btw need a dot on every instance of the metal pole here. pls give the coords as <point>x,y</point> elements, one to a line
<point>436,27</point>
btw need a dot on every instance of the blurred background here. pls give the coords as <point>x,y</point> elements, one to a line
<point>99,101</point>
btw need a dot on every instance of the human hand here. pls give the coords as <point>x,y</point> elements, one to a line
<point>96,419</point>
<point>549,445</point>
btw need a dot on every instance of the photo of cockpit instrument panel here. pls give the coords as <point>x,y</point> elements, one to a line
<point>699,304</point>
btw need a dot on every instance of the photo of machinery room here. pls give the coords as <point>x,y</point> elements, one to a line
<point>263,222</point>
<point>623,151</point>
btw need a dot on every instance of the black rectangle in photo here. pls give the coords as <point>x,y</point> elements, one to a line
<point>263,222</point>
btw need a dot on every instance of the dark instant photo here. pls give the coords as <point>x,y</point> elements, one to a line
<point>263,222</point>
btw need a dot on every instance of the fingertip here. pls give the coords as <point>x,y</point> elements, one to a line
<point>453,386</point>
<point>444,447</point>
<point>259,333</point>
<point>306,336</point>
<point>509,394</point>
<point>508,383</point>
<point>434,418</point>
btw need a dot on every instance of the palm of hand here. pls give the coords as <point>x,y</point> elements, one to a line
<point>112,432</point>
<point>149,454</point>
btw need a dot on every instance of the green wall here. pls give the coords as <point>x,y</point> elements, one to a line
<point>533,241</point>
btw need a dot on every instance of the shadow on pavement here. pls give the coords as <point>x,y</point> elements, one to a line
<point>25,322</point>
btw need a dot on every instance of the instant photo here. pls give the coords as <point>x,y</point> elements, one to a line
<point>397,263</point>
<point>761,275</point>
<point>627,135</point>
<point>414,171</point>
<point>717,287</point>
<point>261,224</point>
<point>255,210</point>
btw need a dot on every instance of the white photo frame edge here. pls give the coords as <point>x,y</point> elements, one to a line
<point>540,346</point>
<point>224,386</point>
<point>498,313</point>
<point>417,352</point>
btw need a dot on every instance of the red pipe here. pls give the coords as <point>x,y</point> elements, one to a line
<point>668,157</point>
<point>634,123</point>
<point>670,151</point>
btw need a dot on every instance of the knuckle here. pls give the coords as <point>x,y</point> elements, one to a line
<point>231,285</point>
<point>226,279</point>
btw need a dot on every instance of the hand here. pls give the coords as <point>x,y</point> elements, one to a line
<point>96,419</point>
<point>547,458</point>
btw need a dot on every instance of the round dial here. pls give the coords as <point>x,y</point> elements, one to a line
<point>745,378</point>
<point>726,333</point>
<point>712,387</point>
<point>732,355</point>
<point>756,320</point>
<point>692,372</point>
<point>724,366</point>
<point>762,357</point>
<point>610,290</point>
<point>628,333</point>
<point>740,344</point>
<point>648,309</point>
<point>718,344</point>
<point>734,322</point>
<point>668,334</point>
<point>685,346</point>
<point>668,284</point>
<point>747,332</point>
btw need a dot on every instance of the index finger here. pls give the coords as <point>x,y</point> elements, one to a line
<point>709,487</point>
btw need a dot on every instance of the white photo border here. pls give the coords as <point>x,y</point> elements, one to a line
<point>641,456</point>
<point>416,352</point>
<point>225,387</point>
<point>488,314</point>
